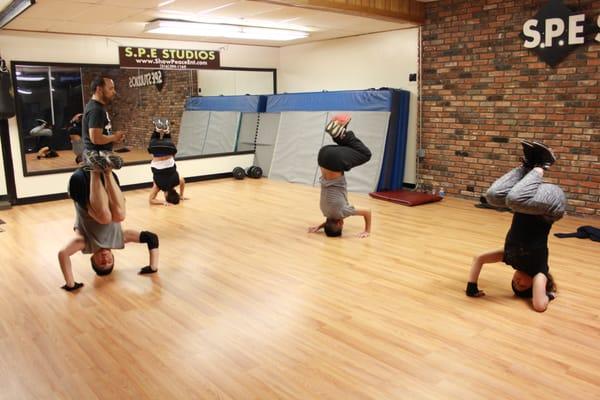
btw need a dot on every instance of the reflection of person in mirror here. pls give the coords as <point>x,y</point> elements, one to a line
<point>97,134</point>
<point>43,133</point>
<point>74,130</point>
<point>164,171</point>
<point>99,211</point>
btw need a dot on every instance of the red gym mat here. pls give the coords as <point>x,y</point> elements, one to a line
<point>406,197</point>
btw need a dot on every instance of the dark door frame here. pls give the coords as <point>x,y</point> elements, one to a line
<point>9,172</point>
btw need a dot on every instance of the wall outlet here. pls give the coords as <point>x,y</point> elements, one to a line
<point>412,77</point>
<point>421,153</point>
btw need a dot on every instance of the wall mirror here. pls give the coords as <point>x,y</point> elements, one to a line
<point>49,96</point>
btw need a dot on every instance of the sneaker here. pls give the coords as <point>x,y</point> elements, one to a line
<point>544,156</point>
<point>337,126</point>
<point>113,161</point>
<point>162,126</point>
<point>342,119</point>
<point>529,153</point>
<point>334,129</point>
<point>93,161</point>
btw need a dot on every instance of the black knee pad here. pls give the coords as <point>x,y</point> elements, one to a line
<point>151,239</point>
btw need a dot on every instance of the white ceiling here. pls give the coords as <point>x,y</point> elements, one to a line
<point>127,19</point>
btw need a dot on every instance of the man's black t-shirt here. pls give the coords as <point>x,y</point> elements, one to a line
<point>79,186</point>
<point>95,116</point>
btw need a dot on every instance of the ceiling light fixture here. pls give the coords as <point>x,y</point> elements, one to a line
<point>222,30</point>
<point>164,3</point>
<point>30,78</point>
<point>13,9</point>
<point>207,11</point>
<point>259,23</point>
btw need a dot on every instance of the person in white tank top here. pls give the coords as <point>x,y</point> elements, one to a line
<point>164,171</point>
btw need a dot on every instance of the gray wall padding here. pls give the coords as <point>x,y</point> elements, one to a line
<point>267,130</point>
<point>247,131</point>
<point>207,132</point>
<point>299,138</point>
<point>301,134</point>
<point>192,133</point>
<point>371,128</point>
<point>265,140</point>
<point>222,132</point>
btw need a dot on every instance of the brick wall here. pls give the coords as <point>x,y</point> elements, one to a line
<point>483,92</point>
<point>134,108</point>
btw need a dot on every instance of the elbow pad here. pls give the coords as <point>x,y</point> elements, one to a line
<point>151,239</point>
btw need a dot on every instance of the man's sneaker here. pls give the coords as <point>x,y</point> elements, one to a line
<point>337,126</point>
<point>528,154</point>
<point>335,129</point>
<point>93,161</point>
<point>112,160</point>
<point>544,156</point>
<point>162,126</point>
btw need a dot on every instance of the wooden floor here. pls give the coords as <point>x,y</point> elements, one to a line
<point>66,159</point>
<point>247,305</point>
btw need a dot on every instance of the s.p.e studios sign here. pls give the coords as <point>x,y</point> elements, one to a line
<point>555,31</point>
<point>155,58</point>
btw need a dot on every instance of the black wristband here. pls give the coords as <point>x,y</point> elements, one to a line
<point>472,289</point>
<point>76,286</point>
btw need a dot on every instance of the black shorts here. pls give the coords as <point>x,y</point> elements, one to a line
<point>42,141</point>
<point>166,179</point>
<point>528,260</point>
<point>79,186</point>
<point>162,147</point>
<point>349,152</point>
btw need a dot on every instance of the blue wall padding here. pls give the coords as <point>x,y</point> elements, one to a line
<point>394,156</point>
<point>396,101</point>
<point>226,103</point>
<point>348,100</point>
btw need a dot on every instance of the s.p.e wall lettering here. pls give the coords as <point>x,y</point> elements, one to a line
<point>151,78</point>
<point>556,30</point>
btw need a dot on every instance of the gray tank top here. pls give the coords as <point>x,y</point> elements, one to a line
<point>334,198</point>
<point>97,236</point>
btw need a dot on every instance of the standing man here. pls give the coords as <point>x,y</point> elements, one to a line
<point>97,134</point>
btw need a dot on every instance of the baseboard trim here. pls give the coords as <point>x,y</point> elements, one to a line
<point>135,186</point>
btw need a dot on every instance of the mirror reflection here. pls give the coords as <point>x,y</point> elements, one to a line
<point>51,99</point>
